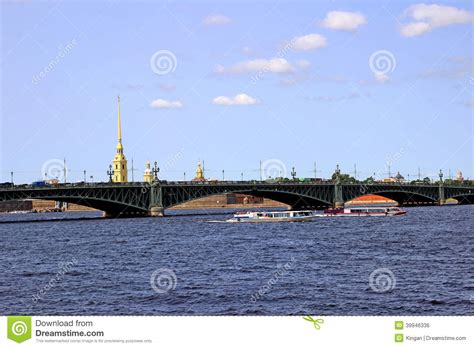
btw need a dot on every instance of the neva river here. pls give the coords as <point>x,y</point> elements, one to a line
<point>418,264</point>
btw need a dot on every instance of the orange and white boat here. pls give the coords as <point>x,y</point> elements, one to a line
<point>363,211</point>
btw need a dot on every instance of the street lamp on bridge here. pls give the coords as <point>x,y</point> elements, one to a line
<point>293,173</point>
<point>156,170</point>
<point>110,173</point>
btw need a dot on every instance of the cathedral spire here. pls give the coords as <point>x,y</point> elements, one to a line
<point>120,170</point>
<point>119,133</point>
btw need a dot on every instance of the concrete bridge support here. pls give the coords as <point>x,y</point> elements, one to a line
<point>338,202</point>
<point>441,196</point>
<point>155,207</point>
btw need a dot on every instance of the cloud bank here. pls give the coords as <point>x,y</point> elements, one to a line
<point>342,20</point>
<point>429,17</point>
<point>239,99</point>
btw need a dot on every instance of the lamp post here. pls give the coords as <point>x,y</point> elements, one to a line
<point>85,176</point>
<point>156,170</point>
<point>184,176</point>
<point>293,173</point>
<point>241,176</point>
<point>222,174</point>
<point>442,199</point>
<point>337,172</point>
<point>11,173</point>
<point>110,173</point>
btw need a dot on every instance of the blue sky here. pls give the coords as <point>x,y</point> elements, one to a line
<point>301,70</point>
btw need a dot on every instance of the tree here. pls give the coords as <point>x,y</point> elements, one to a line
<point>344,178</point>
<point>369,180</point>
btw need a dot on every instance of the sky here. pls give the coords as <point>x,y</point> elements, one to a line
<point>285,83</point>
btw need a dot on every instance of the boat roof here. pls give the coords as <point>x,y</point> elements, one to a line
<point>283,211</point>
<point>371,207</point>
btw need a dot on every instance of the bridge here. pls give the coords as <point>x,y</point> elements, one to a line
<point>151,199</point>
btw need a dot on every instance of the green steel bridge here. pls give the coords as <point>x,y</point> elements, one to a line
<point>151,199</point>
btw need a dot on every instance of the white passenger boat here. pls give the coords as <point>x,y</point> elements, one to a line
<point>273,216</point>
<point>363,211</point>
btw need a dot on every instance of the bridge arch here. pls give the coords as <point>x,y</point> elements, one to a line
<point>109,207</point>
<point>294,200</point>
<point>464,199</point>
<point>402,197</point>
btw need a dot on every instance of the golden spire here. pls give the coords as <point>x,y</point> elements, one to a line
<point>199,173</point>
<point>120,162</point>
<point>119,134</point>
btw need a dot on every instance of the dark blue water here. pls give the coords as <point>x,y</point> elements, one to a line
<point>321,267</point>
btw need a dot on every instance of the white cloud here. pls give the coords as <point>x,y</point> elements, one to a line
<point>342,20</point>
<point>239,99</point>
<point>217,19</point>
<point>381,77</point>
<point>165,104</point>
<point>275,65</point>
<point>308,42</point>
<point>429,17</point>
<point>415,29</point>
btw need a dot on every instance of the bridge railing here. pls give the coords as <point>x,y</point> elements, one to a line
<point>9,186</point>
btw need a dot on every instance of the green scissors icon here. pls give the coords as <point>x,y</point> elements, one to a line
<point>316,322</point>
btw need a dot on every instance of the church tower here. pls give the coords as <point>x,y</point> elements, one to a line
<point>120,162</point>
<point>148,174</point>
<point>199,173</point>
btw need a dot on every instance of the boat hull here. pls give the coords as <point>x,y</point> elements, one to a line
<point>362,214</point>
<point>263,220</point>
